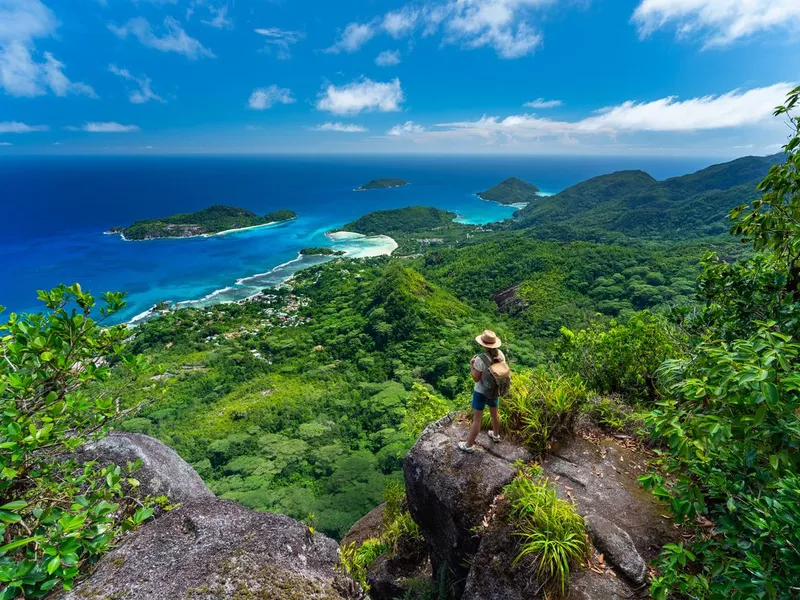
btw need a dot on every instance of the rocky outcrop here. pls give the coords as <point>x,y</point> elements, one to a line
<point>392,574</point>
<point>208,548</point>
<point>509,301</point>
<point>162,471</point>
<point>449,493</point>
<point>599,474</point>
<point>454,498</point>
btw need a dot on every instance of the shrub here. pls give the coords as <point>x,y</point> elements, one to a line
<point>617,358</point>
<point>731,419</point>
<point>56,515</point>
<point>540,405</point>
<point>551,530</point>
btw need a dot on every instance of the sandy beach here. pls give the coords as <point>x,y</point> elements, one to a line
<point>202,235</point>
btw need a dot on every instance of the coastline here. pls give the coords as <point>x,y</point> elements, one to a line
<point>355,246</point>
<point>202,235</point>
<point>519,205</point>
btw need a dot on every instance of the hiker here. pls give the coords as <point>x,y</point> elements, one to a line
<point>492,379</point>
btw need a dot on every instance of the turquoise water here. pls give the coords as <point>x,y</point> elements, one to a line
<point>56,209</point>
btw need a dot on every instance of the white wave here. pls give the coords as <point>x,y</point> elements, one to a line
<point>245,280</point>
<point>142,316</point>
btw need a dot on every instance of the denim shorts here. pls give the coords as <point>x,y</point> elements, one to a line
<point>480,402</point>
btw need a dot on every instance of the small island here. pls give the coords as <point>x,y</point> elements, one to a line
<point>412,219</point>
<point>322,251</point>
<point>215,220</point>
<point>512,191</point>
<point>382,184</point>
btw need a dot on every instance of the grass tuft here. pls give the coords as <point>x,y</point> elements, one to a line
<point>540,405</point>
<point>550,529</point>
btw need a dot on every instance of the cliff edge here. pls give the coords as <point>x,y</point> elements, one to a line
<point>456,499</point>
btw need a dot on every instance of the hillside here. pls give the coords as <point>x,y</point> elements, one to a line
<point>209,221</point>
<point>511,191</point>
<point>633,203</point>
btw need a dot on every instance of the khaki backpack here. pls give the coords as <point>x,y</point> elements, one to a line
<point>496,377</point>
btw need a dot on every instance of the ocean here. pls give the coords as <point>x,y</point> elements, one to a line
<point>55,210</point>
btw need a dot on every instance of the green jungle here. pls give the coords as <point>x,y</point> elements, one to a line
<point>673,304</point>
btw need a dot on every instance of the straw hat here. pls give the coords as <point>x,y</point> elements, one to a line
<point>488,339</point>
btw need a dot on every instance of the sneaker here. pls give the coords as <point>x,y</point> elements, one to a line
<point>464,448</point>
<point>495,438</point>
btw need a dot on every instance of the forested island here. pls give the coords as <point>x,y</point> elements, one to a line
<point>407,220</point>
<point>321,251</point>
<point>648,320</point>
<point>382,184</point>
<point>511,191</point>
<point>210,221</point>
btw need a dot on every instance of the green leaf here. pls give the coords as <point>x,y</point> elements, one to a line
<point>54,563</point>
<point>19,543</point>
<point>46,356</point>
<point>770,392</point>
<point>15,505</point>
<point>9,517</point>
<point>773,460</point>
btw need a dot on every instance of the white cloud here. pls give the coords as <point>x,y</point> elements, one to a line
<point>388,58</point>
<point>500,24</point>
<point>504,25</point>
<point>282,39</point>
<point>353,37</point>
<point>542,103</point>
<point>143,93</point>
<point>21,23</point>
<point>55,79</point>
<point>341,127</point>
<point>718,22</point>
<point>400,23</point>
<point>17,127</point>
<point>105,127</point>
<point>263,98</point>
<point>363,95</point>
<point>174,38</point>
<point>219,17</point>
<point>733,109</point>
<point>666,115</point>
<point>6,144</point>
<point>407,128</point>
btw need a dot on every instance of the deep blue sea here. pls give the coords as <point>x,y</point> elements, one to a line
<point>55,210</point>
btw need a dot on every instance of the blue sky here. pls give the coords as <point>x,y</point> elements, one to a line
<point>626,77</point>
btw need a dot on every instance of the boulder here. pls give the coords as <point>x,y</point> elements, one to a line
<point>214,549</point>
<point>206,548</point>
<point>163,472</point>
<point>449,493</point>
<point>368,526</point>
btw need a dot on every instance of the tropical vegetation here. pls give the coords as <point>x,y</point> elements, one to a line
<point>622,297</point>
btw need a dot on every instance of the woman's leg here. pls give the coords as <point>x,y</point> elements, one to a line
<point>477,417</point>
<point>494,411</point>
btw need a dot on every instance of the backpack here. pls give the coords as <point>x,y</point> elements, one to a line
<point>496,378</point>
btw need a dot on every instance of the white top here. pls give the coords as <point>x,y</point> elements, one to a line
<point>479,365</point>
